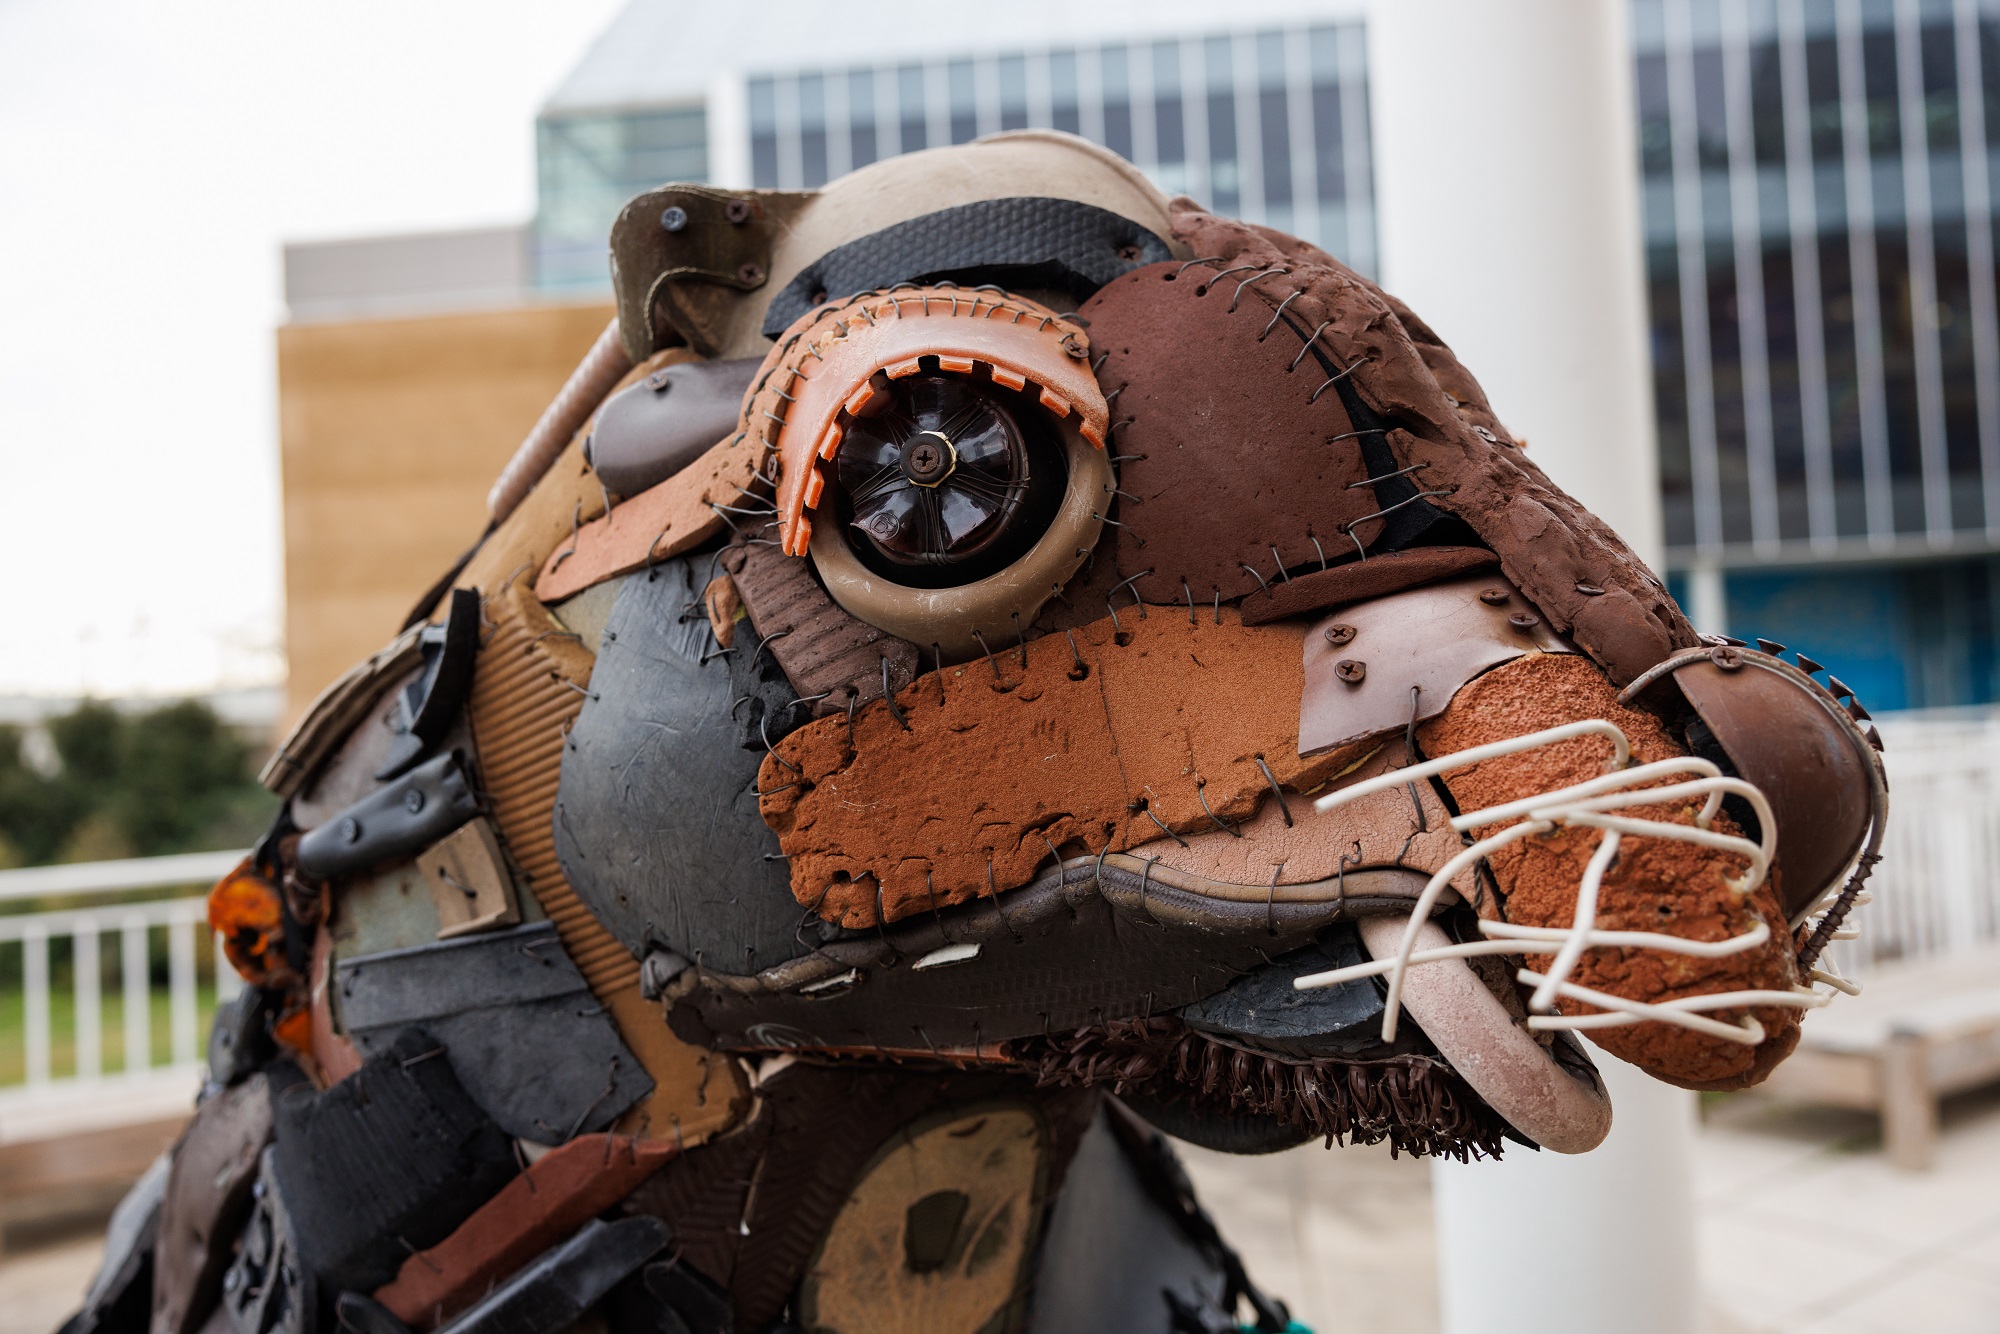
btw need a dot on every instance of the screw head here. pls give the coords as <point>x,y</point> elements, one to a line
<point>413,801</point>
<point>1590,590</point>
<point>1524,620</point>
<point>1493,597</point>
<point>1339,634</point>
<point>1727,658</point>
<point>751,274</point>
<point>350,830</point>
<point>928,458</point>
<point>736,212</point>
<point>674,218</point>
<point>1351,670</point>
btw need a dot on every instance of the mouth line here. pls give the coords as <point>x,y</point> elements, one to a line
<point>1151,895</point>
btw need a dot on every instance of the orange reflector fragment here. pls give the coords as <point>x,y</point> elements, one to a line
<point>248,913</point>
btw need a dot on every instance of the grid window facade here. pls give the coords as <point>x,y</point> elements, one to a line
<point>1271,126</point>
<point>588,165</point>
<point>1818,199</point>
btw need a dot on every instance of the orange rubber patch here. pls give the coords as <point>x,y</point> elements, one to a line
<point>823,371</point>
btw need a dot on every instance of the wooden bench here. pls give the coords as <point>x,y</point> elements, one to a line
<point>1918,1032</point>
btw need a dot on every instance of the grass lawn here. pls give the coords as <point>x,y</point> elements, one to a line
<point>62,1030</point>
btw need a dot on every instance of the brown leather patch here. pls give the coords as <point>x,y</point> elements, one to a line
<point>1655,885</point>
<point>1359,580</point>
<point>996,763</point>
<point>552,1197</point>
<point>1569,563</point>
<point>1228,465</point>
<point>823,648</point>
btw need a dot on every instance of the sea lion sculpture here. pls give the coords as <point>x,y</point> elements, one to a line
<point>983,664</point>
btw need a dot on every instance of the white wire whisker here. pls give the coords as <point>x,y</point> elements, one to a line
<point>1508,938</point>
<point>1686,1012</point>
<point>1595,803</point>
<point>1621,755</point>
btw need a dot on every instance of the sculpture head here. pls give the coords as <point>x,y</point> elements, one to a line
<point>1011,633</point>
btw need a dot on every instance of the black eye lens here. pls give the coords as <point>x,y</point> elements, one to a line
<point>950,481</point>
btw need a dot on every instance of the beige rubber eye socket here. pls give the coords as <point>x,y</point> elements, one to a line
<point>996,608</point>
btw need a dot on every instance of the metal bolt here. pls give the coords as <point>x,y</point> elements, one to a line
<point>751,274</point>
<point>1524,620</point>
<point>1728,659</point>
<point>350,830</point>
<point>1770,646</point>
<point>1351,670</point>
<point>674,219</point>
<point>1339,634</point>
<point>1493,597</point>
<point>1590,590</point>
<point>413,801</point>
<point>736,212</point>
<point>1486,435</point>
<point>658,380</point>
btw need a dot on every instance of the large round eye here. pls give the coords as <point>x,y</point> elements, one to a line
<point>947,480</point>
<point>939,453</point>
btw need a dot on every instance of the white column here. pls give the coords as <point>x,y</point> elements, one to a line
<point>1507,195</point>
<point>728,111</point>
<point>1539,1243</point>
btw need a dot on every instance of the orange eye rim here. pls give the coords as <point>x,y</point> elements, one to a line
<point>826,367</point>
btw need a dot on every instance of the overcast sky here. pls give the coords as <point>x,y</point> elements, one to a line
<point>153,157</point>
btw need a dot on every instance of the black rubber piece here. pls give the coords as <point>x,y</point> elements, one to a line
<point>386,1162</point>
<point>430,704</point>
<point>669,1297</point>
<point>656,819</point>
<point>564,1282</point>
<point>357,1313</point>
<point>239,1041</point>
<point>1111,1250</point>
<point>522,1031</point>
<point>1023,242</point>
<point>1264,1008</point>
<point>1224,1132</point>
<point>392,822</point>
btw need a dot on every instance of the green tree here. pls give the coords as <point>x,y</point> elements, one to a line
<point>176,770</point>
<point>37,811</point>
<point>171,779</point>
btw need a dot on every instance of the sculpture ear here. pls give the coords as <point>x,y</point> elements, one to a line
<point>683,258</point>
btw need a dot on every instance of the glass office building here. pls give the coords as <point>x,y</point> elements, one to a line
<point>587,164</point>
<point>1817,182</point>
<point>1270,126</point>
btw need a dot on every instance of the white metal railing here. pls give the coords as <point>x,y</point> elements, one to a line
<point>134,924</point>
<point>1937,890</point>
